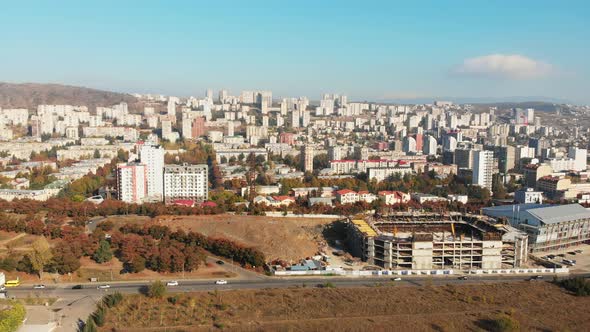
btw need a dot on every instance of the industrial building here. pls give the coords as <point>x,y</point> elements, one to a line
<point>424,241</point>
<point>549,227</point>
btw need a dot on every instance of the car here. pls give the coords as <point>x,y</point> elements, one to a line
<point>220,262</point>
<point>538,277</point>
<point>396,279</point>
<point>39,286</point>
<point>571,252</point>
<point>103,287</point>
<point>579,251</point>
<point>172,283</point>
<point>2,288</point>
<point>561,255</point>
<point>462,278</point>
<point>221,282</point>
<point>570,262</point>
<point>550,256</point>
<point>77,287</point>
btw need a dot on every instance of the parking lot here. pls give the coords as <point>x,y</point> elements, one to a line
<point>580,254</point>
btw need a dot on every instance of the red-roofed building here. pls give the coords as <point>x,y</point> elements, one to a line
<point>184,202</point>
<point>209,204</point>
<point>346,196</point>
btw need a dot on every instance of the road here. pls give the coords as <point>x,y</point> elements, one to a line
<point>67,291</point>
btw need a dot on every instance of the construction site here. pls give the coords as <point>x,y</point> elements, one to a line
<point>425,241</point>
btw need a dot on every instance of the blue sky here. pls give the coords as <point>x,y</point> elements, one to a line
<point>366,49</point>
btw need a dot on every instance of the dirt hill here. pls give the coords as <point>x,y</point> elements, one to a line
<point>29,95</point>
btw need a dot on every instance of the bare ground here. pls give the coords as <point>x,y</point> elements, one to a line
<point>284,238</point>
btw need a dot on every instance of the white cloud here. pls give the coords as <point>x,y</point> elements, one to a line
<point>515,66</point>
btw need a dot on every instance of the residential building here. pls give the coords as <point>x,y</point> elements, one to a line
<point>131,182</point>
<point>483,168</point>
<point>186,182</point>
<point>152,156</point>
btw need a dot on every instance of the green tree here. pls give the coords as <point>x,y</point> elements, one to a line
<point>156,289</point>
<point>40,256</point>
<point>103,253</point>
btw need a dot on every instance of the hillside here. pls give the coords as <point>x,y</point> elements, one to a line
<point>29,95</point>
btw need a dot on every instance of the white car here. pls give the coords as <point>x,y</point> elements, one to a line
<point>172,283</point>
<point>397,279</point>
<point>103,287</point>
<point>221,282</point>
<point>2,288</point>
<point>39,286</point>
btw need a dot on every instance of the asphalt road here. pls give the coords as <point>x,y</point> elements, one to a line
<point>67,291</point>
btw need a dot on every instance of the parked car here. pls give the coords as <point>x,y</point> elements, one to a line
<point>570,262</point>
<point>463,278</point>
<point>172,283</point>
<point>550,256</point>
<point>220,262</point>
<point>39,286</point>
<point>571,252</point>
<point>221,282</point>
<point>77,287</point>
<point>103,287</point>
<point>579,251</point>
<point>396,279</point>
<point>561,255</point>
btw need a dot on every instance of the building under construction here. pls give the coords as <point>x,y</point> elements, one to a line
<point>423,241</point>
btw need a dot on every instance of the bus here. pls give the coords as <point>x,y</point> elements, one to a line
<point>12,283</point>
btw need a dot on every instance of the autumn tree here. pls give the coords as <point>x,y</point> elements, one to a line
<point>40,255</point>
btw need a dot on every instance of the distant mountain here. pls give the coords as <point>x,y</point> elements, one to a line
<point>29,95</point>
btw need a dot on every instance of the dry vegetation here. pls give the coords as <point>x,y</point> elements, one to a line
<point>533,306</point>
<point>284,238</point>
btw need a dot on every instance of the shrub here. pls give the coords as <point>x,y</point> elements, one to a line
<point>112,300</point>
<point>156,289</point>
<point>504,323</point>
<point>578,285</point>
<point>89,326</point>
<point>99,315</point>
<point>12,318</point>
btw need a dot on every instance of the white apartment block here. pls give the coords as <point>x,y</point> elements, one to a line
<point>131,182</point>
<point>153,157</point>
<point>483,168</point>
<point>185,182</point>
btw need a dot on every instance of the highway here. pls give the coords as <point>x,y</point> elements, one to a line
<point>91,289</point>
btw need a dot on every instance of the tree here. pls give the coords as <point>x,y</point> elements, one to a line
<point>156,289</point>
<point>40,256</point>
<point>103,253</point>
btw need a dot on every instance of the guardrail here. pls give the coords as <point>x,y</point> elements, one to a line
<point>520,271</point>
<point>360,273</point>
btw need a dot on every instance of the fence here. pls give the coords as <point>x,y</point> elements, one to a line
<point>357,273</point>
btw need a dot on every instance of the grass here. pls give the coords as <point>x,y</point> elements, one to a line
<point>499,307</point>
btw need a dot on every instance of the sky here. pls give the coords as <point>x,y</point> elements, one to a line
<point>368,50</point>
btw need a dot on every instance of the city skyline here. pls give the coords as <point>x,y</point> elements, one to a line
<point>375,51</point>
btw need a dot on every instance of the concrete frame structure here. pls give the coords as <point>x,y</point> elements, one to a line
<point>423,241</point>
